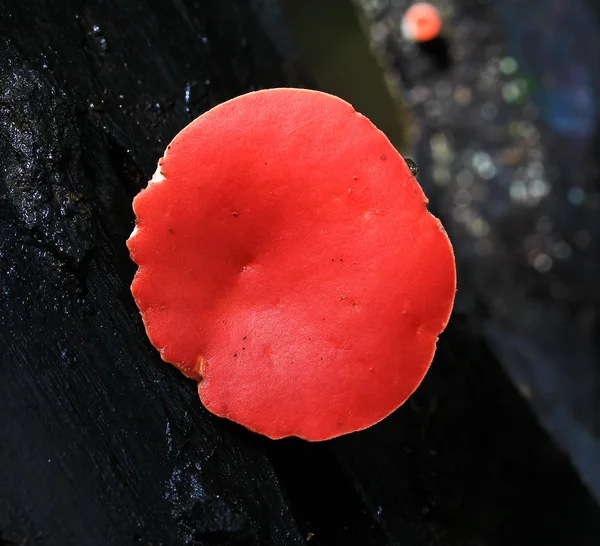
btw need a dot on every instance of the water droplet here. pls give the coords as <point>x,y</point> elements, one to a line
<point>561,250</point>
<point>508,66</point>
<point>483,164</point>
<point>412,166</point>
<point>478,227</point>
<point>441,175</point>
<point>576,195</point>
<point>539,188</point>
<point>418,95</point>
<point>440,148</point>
<point>518,191</point>
<point>186,95</point>
<point>542,262</point>
<point>535,170</point>
<point>512,92</point>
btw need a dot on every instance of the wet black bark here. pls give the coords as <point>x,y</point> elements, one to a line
<point>101,443</point>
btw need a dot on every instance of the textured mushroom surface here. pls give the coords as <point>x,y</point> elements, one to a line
<point>288,263</point>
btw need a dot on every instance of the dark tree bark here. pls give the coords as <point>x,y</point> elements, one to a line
<point>104,444</point>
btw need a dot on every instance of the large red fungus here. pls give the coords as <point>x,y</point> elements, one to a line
<point>287,263</point>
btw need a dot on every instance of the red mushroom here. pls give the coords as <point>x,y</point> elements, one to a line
<point>422,22</point>
<point>288,264</point>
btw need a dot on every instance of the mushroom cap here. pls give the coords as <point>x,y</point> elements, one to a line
<point>422,22</point>
<point>288,263</point>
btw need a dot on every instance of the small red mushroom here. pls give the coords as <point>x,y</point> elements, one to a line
<point>422,22</point>
<point>288,264</point>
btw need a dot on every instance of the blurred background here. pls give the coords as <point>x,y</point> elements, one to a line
<point>500,112</point>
